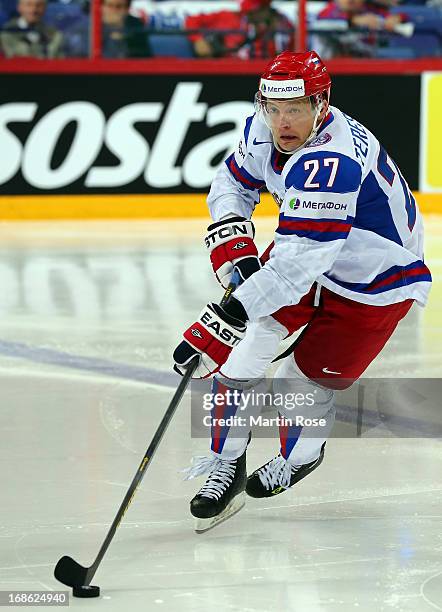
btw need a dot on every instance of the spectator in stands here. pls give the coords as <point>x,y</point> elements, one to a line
<point>123,34</point>
<point>28,36</point>
<point>256,31</point>
<point>350,14</point>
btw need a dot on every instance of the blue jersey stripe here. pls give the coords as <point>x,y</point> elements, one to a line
<point>321,230</point>
<point>242,176</point>
<point>410,202</point>
<point>412,273</point>
<point>318,236</point>
<point>412,216</point>
<point>383,167</point>
<point>349,219</point>
<point>373,212</point>
<point>247,128</point>
<point>329,118</point>
<point>418,278</point>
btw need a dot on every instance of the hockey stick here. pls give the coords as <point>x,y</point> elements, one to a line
<point>67,570</point>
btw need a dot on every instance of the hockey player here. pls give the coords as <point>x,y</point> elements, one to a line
<point>346,262</point>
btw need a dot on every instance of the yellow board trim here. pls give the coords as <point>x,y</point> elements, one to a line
<point>151,206</point>
<point>434,132</point>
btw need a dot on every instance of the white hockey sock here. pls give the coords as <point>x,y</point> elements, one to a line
<point>303,401</point>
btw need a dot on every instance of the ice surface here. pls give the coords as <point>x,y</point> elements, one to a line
<point>89,316</point>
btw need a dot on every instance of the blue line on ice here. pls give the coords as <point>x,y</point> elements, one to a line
<point>20,350</point>
<point>344,414</point>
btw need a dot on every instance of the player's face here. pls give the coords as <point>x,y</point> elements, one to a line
<point>291,122</point>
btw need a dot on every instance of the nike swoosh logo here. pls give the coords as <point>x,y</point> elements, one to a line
<point>327,371</point>
<point>258,142</point>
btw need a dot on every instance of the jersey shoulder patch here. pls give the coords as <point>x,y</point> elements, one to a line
<point>325,171</point>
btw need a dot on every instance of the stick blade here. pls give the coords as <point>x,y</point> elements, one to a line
<point>69,572</point>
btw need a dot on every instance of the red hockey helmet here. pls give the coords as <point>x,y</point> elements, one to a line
<point>295,75</point>
<point>246,6</point>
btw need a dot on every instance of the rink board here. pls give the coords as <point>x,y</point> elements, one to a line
<point>79,146</point>
<point>83,134</point>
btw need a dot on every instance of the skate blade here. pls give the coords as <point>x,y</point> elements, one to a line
<point>237,503</point>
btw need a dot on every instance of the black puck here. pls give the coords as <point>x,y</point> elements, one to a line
<point>87,590</point>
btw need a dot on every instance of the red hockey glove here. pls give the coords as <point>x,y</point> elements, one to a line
<point>230,243</point>
<point>213,336</point>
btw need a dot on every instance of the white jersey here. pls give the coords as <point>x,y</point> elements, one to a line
<point>347,217</point>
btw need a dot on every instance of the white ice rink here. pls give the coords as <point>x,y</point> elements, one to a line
<point>90,313</point>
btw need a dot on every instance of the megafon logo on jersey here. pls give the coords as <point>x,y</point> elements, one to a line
<point>293,88</point>
<point>114,151</point>
<point>296,203</point>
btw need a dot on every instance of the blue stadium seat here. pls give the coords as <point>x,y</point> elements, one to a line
<point>3,18</point>
<point>63,16</point>
<point>427,38</point>
<point>8,8</point>
<point>170,45</point>
<point>395,53</point>
<point>422,16</point>
<point>422,45</point>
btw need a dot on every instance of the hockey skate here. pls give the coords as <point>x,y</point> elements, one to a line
<point>222,495</point>
<point>278,475</point>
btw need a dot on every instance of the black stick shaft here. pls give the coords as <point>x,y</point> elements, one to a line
<point>161,430</point>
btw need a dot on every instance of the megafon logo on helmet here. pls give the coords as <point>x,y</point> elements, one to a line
<point>293,88</point>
